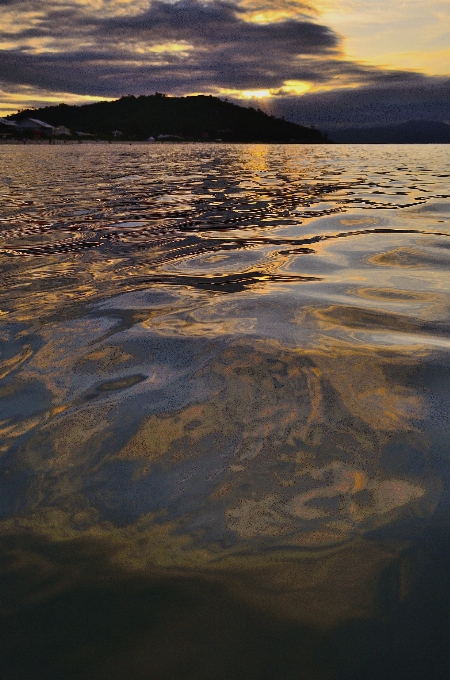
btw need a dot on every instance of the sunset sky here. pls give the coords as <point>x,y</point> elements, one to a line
<point>328,62</point>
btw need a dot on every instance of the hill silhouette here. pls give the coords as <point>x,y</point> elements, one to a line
<point>190,118</point>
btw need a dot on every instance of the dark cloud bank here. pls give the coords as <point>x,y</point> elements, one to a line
<point>227,52</point>
<point>414,97</point>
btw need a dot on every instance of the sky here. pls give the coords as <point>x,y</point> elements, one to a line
<point>331,63</point>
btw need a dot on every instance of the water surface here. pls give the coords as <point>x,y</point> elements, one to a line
<point>224,411</point>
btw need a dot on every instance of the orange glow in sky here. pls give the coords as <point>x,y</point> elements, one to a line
<point>106,38</point>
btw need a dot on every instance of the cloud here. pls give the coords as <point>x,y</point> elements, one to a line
<point>110,48</point>
<point>391,98</point>
<point>219,25</point>
<point>222,49</point>
<point>202,22</point>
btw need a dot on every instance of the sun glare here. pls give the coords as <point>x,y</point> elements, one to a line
<point>296,87</point>
<point>255,94</point>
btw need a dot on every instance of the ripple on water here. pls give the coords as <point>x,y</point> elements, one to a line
<point>238,372</point>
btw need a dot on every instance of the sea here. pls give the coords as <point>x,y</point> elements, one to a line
<point>224,412</point>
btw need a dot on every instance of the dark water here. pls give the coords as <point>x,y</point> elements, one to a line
<point>225,412</point>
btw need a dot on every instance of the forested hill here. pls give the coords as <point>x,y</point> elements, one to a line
<point>195,117</point>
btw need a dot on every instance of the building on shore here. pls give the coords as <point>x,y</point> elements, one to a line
<point>61,131</point>
<point>7,127</point>
<point>36,127</point>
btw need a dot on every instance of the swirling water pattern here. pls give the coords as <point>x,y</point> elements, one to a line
<point>224,379</point>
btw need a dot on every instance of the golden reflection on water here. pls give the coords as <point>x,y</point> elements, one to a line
<point>307,432</point>
<point>234,379</point>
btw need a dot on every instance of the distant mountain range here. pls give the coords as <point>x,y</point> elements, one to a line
<point>411,132</point>
<point>178,118</point>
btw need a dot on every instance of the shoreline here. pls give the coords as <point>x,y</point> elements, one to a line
<point>74,142</point>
